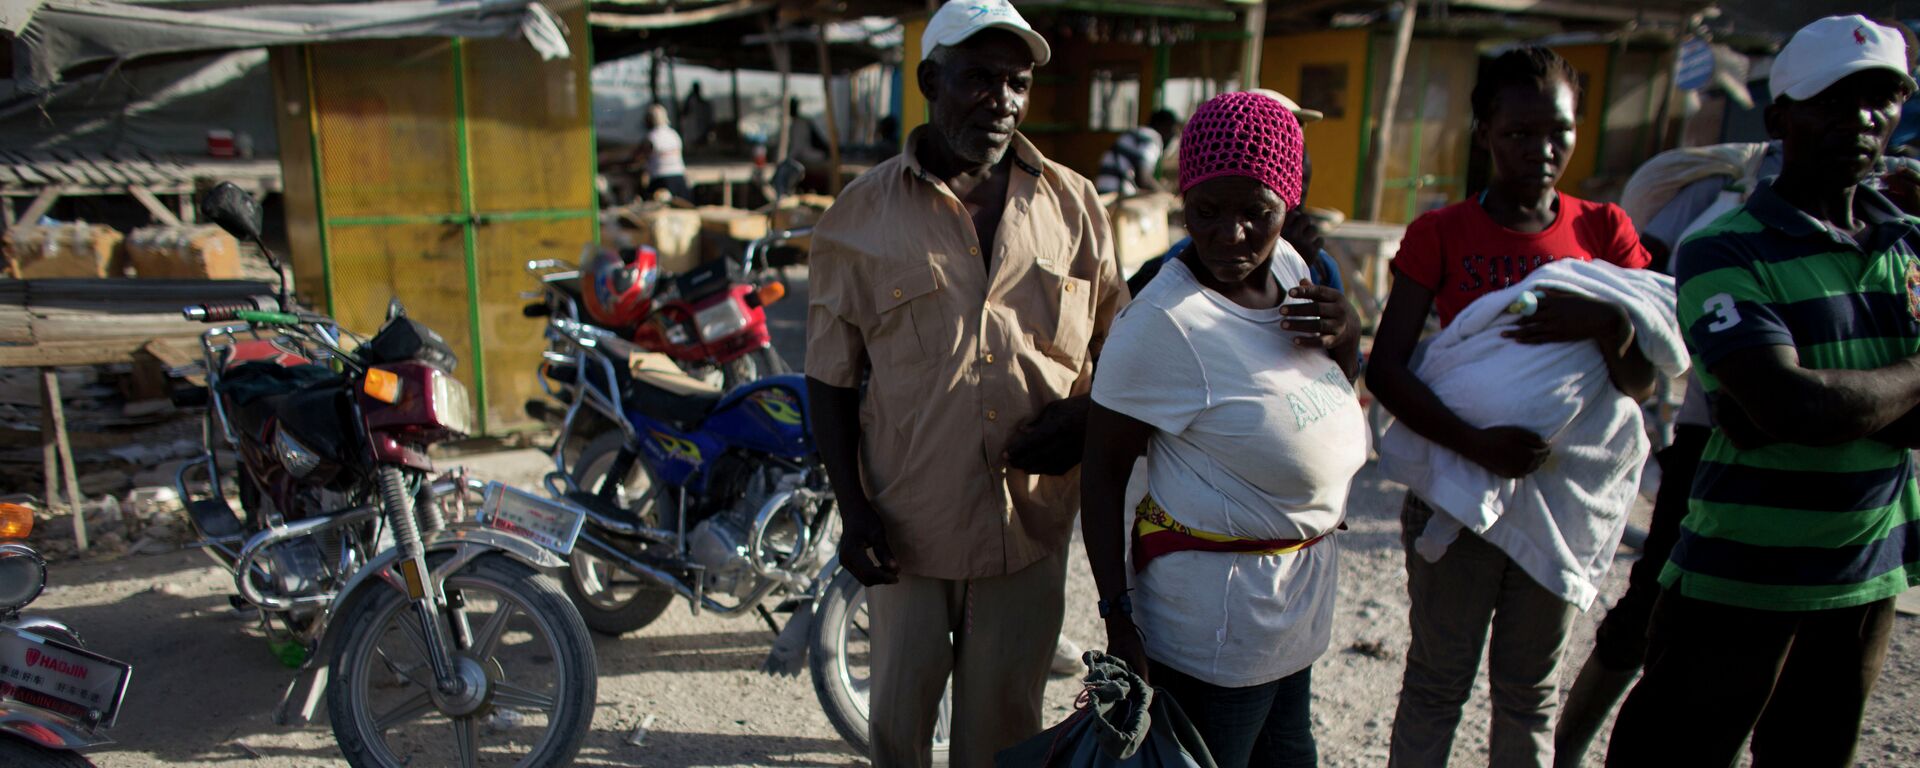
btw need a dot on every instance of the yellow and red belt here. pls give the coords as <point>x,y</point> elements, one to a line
<point>1156,533</point>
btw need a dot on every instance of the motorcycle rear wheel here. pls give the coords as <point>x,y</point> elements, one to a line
<point>540,666</point>
<point>611,601</point>
<point>18,753</point>
<point>839,662</point>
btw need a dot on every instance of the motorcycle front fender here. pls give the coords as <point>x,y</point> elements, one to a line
<point>46,729</point>
<point>467,542</point>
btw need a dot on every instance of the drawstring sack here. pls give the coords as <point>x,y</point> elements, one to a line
<point>1117,722</point>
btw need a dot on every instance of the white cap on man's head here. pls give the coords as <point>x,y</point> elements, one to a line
<point>961,19</point>
<point>1824,52</point>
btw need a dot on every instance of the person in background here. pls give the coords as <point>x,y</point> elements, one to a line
<point>1523,108</point>
<point>1232,372</point>
<point>1802,310</point>
<point>696,118</point>
<point>970,283</point>
<point>666,169</point>
<point>1300,230</point>
<point>1129,167</point>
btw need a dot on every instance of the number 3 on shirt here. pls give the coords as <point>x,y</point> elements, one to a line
<point>1720,305</point>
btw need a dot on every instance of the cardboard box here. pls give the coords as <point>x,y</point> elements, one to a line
<point>78,249</point>
<point>732,223</point>
<point>1140,231</point>
<point>199,252</point>
<point>674,232</point>
<point>801,211</point>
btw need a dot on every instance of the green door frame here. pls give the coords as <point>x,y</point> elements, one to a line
<point>467,218</point>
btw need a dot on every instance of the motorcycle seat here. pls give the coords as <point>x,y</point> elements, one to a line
<point>658,388</point>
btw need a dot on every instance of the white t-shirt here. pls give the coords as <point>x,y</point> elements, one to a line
<point>1254,437</point>
<point>665,158</point>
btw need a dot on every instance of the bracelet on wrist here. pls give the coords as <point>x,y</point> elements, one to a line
<point>1122,605</point>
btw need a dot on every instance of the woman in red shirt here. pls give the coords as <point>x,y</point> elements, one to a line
<point>1523,108</point>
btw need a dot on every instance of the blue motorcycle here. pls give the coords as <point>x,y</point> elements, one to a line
<point>717,497</point>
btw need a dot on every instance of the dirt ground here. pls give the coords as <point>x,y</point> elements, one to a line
<point>204,685</point>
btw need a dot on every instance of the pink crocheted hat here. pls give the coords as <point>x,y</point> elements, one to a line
<point>1243,134</point>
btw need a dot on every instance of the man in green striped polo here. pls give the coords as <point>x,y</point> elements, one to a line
<point>1802,311</point>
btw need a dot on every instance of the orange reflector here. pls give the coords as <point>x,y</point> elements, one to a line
<point>16,521</point>
<point>383,386</point>
<point>772,292</point>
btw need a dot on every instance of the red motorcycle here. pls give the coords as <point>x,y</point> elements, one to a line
<point>433,639</point>
<point>711,320</point>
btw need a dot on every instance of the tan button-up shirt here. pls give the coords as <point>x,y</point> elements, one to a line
<point>961,356</point>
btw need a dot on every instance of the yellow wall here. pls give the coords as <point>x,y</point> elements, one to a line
<point>1334,143</point>
<point>913,104</point>
<point>1591,62</point>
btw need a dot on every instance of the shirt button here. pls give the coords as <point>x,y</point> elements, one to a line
<point>1069,287</point>
<point>989,358</point>
<point>993,415</point>
<point>973,250</point>
<point>896,293</point>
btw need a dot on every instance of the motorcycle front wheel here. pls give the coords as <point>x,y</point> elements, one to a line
<point>611,600</point>
<point>528,646</point>
<point>839,659</point>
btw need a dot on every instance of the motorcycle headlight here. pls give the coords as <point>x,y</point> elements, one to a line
<point>22,575</point>
<point>299,460</point>
<point>721,320</point>
<point>452,406</point>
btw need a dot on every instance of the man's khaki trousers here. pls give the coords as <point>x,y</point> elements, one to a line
<point>995,636</point>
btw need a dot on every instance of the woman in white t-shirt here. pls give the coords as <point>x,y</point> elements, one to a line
<point>666,169</point>
<point>1232,373</point>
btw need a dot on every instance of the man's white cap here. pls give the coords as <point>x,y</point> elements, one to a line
<point>1822,53</point>
<point>960,19</point>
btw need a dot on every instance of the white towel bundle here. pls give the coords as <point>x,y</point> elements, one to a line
<point>1563,522</point>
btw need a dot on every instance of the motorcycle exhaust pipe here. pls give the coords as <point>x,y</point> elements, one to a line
<point>605,551</point>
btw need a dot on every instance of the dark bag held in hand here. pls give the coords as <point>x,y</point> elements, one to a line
<point>1119,723</point>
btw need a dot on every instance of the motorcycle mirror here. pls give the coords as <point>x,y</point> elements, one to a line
<point>395,309</point>
<point>787,176</point>
<point>234,210</point>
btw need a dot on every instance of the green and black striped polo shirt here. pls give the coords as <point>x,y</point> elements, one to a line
<point>1795,527</point>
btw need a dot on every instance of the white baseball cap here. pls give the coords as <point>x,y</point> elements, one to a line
<point>1822,53</point>
<point>961,19</point>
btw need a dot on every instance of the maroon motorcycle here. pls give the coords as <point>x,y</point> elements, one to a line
<point>434,640</point>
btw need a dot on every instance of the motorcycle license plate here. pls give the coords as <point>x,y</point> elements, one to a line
<point>550,525</point>
<point>61,678</point>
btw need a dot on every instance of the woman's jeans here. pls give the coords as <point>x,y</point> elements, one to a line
<point>1268,725</point>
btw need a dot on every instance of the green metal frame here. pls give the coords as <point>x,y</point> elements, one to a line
<point>319,191</point>
<point>1606,97</point>
<point>468,218</point>
<point>464,163</point>
<point>1366,129</point>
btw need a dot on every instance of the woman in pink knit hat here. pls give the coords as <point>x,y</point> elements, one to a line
<point>1232,373</point>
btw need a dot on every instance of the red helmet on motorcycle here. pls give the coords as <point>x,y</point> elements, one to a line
<point>618,285</point>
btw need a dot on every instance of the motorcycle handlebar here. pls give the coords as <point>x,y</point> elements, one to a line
<point>228,310</point>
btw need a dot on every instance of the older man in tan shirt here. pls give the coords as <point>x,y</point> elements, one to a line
<point>970,281</point>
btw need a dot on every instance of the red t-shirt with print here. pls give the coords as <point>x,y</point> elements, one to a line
<point>1461,254</point>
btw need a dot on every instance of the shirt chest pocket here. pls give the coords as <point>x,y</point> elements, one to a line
<point>908,328</point>
<point>1068,302</point>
